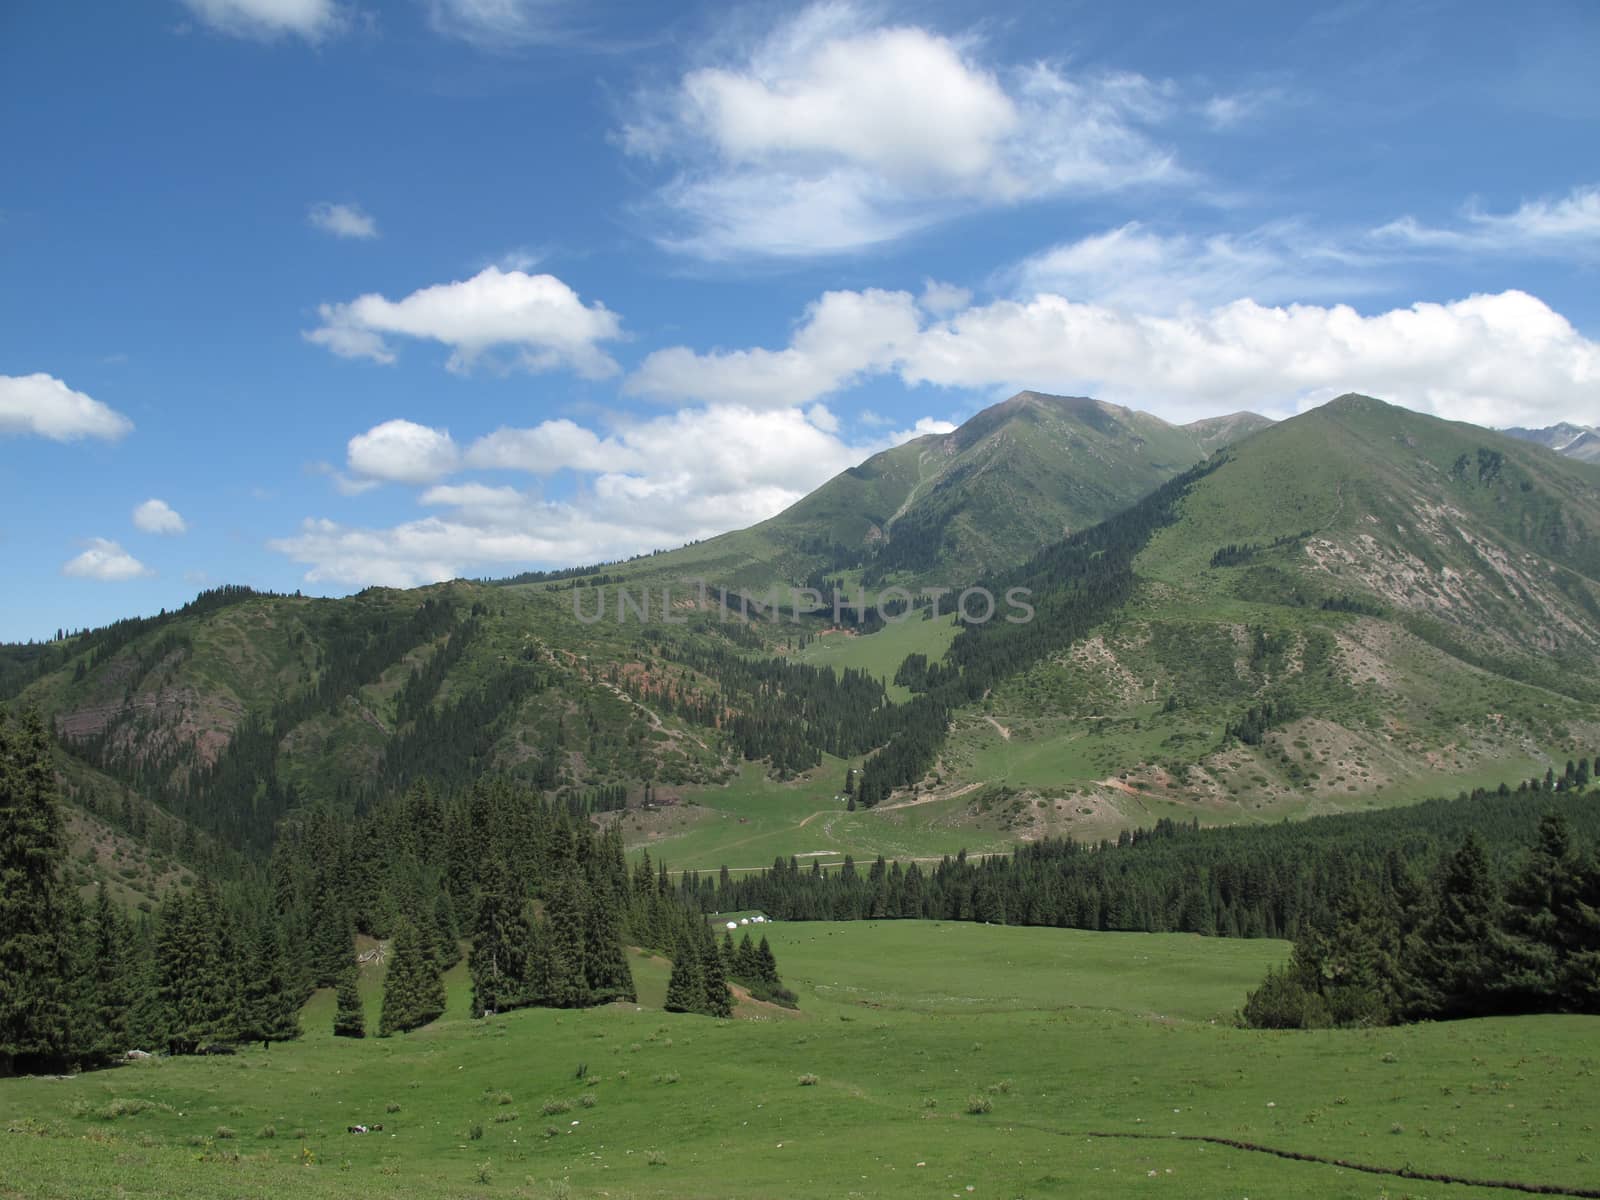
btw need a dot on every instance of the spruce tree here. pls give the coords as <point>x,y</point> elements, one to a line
<point>270,1006</point>
<point>110,978</point>
<point>766,963</point>
<point>33,954</point>
<point>569,981</point>
<point>1451,967</point>
<point>746,961</point>
<point>350,1015</point>
<point>446,932</point>
<point>413,993</point>
<point>498,959</point>
<point>686,989</point>
<point>718,1000</point>
<point>605,961</point>
<point>1541,920</point>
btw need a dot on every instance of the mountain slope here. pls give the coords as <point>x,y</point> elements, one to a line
<point>1356,605</point>
<point>949,508</point>
<point>1575,441</point>
<point>1213,433</point>
<point>1359,605</point>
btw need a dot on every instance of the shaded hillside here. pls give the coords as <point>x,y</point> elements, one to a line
<point>1361,604</point>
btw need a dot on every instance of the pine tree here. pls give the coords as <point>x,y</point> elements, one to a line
<point>33,955</point>
<point>109,978</point>
<point>270,1003</point>
<point>413,993</point>
<point>350,1015</point>
<point>1541,920</point>
<point>498,959</point>
<point>686,989</point>
<point>718,1001</point>
<point>539,987</point>
<point>746,961</point>
<point>766,963</point>
<point>1451,965</point>
<point>569,981</point>
<point>605,961</point>
<point>446,931</point>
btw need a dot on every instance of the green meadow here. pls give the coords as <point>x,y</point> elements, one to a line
<point>927,1060</point>
<point>753,819</point>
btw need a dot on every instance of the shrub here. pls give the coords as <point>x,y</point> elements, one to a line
<point>391,1107</point>
<point>588,1100</point>
<point>655,1158</point>
<point>808,1080</point>
<point>504,1118</point>
<point>552,1108</point>
<point>1001,1088</point>
<point>224,1133</point>
<point>668,1077</point>
<point>267,1131</point>
<point>483,1175</point>
<point>475,1132</point>
<point>978,1105</point>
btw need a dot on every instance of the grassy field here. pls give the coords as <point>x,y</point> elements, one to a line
<point>907,1028</point>
<point>754,819</point>
<point>882,653</point>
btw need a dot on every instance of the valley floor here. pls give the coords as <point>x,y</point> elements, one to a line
<point>1062,1037</point>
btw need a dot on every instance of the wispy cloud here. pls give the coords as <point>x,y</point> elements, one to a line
<point>266,20</point>
<point>342,220</point>
<point>1563,225</point>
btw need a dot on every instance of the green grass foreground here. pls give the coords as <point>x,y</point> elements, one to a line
<point>904,1030</point>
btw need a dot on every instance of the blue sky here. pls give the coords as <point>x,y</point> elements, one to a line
<point>321,294</point>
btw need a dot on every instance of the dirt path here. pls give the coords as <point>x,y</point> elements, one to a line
<point>1002,730</point>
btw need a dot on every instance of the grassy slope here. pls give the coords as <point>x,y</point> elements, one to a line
<point>1013,478</point>
<point>1064,1033</point>
<point>1392,711</point>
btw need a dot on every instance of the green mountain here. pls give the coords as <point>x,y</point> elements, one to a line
<point>951,508</point>
<point>1358,605</point>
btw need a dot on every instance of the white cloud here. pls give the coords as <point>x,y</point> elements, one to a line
<point>157,516</point>
<point>834,134</point>
<point>401,452</point>
<point>106,561</point>
<point>646,485</point>
<point>499,24</point>
<point>342,220</point>
<point>1492,359</point>
<point>546,448</point>
<point>1565,226</point>
<point>942,299</point>
<point>1138,268</point>
<point>42,405</point>
<point>842,335</point>
<point>269,19</point>
<point>538,317</point>
<point>345,485</point>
